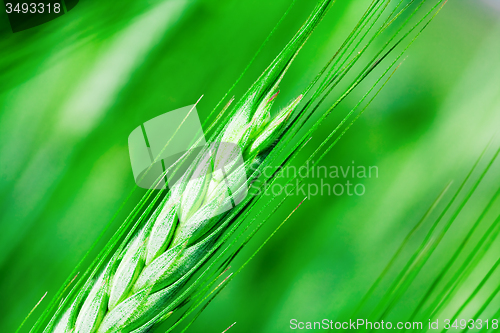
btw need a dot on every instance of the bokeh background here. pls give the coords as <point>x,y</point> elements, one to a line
<point>73,89</point>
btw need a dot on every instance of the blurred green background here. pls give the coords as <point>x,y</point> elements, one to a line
<point>73,89</point>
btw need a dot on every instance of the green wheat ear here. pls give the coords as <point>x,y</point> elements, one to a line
<point>152,268</point>
<point>157,268</point>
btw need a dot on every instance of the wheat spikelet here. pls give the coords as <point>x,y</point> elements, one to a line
<point>140,280</point>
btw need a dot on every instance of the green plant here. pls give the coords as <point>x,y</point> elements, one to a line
<point>147,272</point>
<point>157,266</point>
